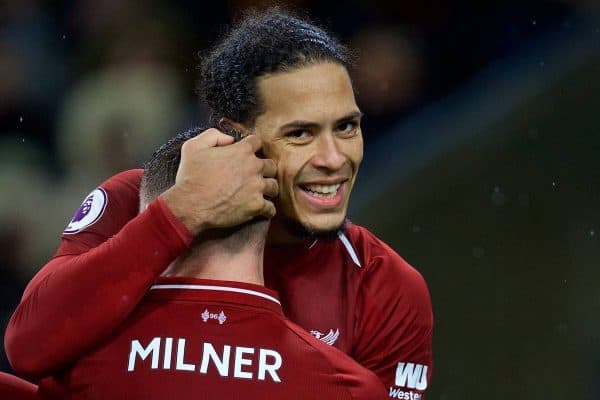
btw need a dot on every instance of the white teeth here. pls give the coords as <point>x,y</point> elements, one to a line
<point>323,190</point>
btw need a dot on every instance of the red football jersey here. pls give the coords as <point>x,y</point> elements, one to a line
<point>193,338</point>
<point>353,292</point>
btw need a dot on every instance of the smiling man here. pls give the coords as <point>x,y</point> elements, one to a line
<point>311,129</point>
<point>283,84</point>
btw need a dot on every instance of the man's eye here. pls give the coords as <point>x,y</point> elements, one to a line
<point>347,127</point>
<point>299,134</point>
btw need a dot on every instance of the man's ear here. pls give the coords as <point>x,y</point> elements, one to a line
<point>235,129</point>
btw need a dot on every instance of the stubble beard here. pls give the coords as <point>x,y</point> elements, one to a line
<point>297,229</point>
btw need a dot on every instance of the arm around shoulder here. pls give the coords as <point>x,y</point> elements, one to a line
<point>81,295</point>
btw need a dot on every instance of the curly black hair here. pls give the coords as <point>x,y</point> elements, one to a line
<point>261,43</point>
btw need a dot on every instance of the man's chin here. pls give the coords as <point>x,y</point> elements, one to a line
<point>305,231</point>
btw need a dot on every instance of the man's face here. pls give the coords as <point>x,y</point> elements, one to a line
<point>311,129</point>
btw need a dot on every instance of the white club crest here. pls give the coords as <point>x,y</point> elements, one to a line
<point>328,338</point>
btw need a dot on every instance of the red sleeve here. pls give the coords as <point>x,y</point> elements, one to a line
<point>14,388</point>
<point>95,280</point>
<point>395,323</point>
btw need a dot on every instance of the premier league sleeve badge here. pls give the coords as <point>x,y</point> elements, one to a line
<point>89,212</point>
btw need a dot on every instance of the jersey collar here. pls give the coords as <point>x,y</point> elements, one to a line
<point>246,294</point>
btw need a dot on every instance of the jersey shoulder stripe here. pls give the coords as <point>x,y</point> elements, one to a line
<point>349,248</point>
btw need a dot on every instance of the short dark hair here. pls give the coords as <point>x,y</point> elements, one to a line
<point>160,170</point>
<point>260,44</point>
<point>159,175</point>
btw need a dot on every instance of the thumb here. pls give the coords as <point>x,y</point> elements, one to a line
<point>212,138</point>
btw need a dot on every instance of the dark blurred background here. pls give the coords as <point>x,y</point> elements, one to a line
<point>482,135</point>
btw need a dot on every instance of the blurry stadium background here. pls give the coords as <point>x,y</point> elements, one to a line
<point>481,168</point>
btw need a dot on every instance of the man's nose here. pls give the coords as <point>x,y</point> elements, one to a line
<point>328,154</point>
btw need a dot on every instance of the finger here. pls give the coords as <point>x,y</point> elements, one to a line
<point>212,138</point>
<point>268,210</point>
<point>254,141</point>
<point>269,168</point>
<point>271,188</point>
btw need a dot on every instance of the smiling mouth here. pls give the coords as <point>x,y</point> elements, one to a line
<point>322,191</point>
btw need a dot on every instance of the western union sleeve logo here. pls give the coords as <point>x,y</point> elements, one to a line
<point>411,376</point>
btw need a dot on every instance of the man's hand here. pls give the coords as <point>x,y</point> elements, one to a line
<point>220,184</point>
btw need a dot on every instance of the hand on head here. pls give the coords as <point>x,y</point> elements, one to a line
<point>221,184</point>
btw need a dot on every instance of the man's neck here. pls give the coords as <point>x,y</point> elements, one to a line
<point>210,261</point>
<point>280,235</point>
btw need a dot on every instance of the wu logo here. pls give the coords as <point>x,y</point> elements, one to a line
<point>411,376</point>
<point>328,338</point>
